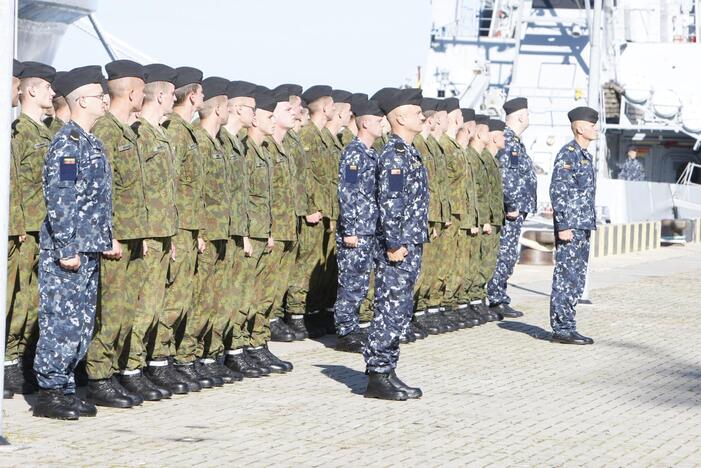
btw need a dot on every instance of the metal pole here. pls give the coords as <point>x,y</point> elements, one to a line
<point>594,101</point>
<point>7,37</point>
<point>98,31</point>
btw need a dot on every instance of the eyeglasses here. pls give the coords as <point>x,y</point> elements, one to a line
<point>253,108</point>
<point>99,96</point>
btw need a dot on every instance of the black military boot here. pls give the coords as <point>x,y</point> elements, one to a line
<point>456,319</point>
<point>418,330</point>
<point>433,316</point>
<point>287,365</point>
<point>136,399</point>
<point>279,331</point>
<point>55,405</point>
<point>102,393</point>
<point>468,315</point>
<point>140,385</point>
<point>571,337</point>
<point>85,408</point>
<point>505,310</point>
<point>407,335</point>
<point>379,386</point>
<point>160,376</point>
<point>223,372</point>
<point>237,362</point>
<point>237,376</point>
<point>296,325</point>
<point>262,358</point>
<point>187,372</point>
<point>422,319</point>
<point>17,381</point>
<point>484,312</point>
<point>254,363</point>
<point>7,394</point>
<point>443,319</point>
<point>314,323</point>
<point>204,370</point>
<point>353,342</point>
<point>411,392</point>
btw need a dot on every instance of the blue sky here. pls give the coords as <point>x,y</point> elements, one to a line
<point>359,45</point>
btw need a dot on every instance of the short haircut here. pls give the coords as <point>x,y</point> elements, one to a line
<point>151,90</point>
<point>317,106</point>
<point>182,92</point>
<point>429,113</point>
<point>211,104</point>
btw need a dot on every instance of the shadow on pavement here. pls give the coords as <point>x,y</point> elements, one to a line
<point>527,329</point>
<point>355,380</point>
<point>539,293</point>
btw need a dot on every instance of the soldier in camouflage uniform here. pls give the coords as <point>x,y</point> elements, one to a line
<point>356,242</point>
<point>242,266</point>
<point>572,193</point>
<point>159,175</point>
<point>304,297</point>
<point>260,229</point>
<point>60,112</point>
<point>632,168</point>
<point>120,277</point>
<point>350,131</point>
<point>31,139</point>
<point>13,378</point>
<point>77,181</point>
<point>402,198</point>
<point>519,179</point>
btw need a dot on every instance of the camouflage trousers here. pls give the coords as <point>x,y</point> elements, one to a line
<point>241,279</point>
<point>394,305</point>
<point>67,303</point>
<point>452,253</point>
<point>487,260</point>
<point>269,285</point>
<point>305,292</point>
<point>150,306</point>
<point>329,279</point>
<point>571,261</point>
<point>117,306</point>
<point>354,268</point>
<point>429,281</point>
<point>207,306</point>
<point>15,318</point>
<point>179,293</point>
<point>506,261</point>
<point>469,267</point>
<point>26,303</point>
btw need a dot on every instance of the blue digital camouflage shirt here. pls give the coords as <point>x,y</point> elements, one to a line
<point>632,169</point>
<point>573,188</point>
<point>356,190</point>
<point>78,195</point>
<point>402,195</point>
<point>518,175</point>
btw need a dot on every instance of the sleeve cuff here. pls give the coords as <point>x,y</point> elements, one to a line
<point>69,251</point>
<point>393,244</point>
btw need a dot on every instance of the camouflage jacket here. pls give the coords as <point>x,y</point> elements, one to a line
<point>16,222</point>
<point>632,169</point>
<point>54,124</point>
<point>260,217</point>
<point>299,158</point>
<point>496,199</point>
<point>356,191</point>
<point>573,189</point>
<point>238,183</point>
<point>333,153</point>
<point>316,173</point>
<point>472,166</point>
<point>214,224</point>
<point>77,183</point>
<point>442,175</point>
<point>159,177</point>
<point>518,175</point>
<point>31,142</point>
<point>456,183</point>
<point>129,215</point>
<point>402,195</point>
<point>282,190</point>
<point>345,136</point>
<point>484,191</point>
<point>380,143</point>
<point>434,182</point>
<point>188,166</point>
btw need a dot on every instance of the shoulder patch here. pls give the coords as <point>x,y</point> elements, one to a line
<point>400,147</point>
<point>396,180</point>
<point>75,136</point>
<point>68,170</point>
<point>570,148</point>
<point>351,174</point>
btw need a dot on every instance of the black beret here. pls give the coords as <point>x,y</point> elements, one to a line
<point>240,89</point>
<point>57,84</point>
<point>358,97</point>
<point>159,72</point>
<point>515,104</point>
<point>17,68</point>
<point>367,107</point>
<point>316,92</point>
<point>105,88</point>
<point>449,104</point>
<point>124,69</point>
<point>401,97</point>
<point>214,86</point>
<point>468,115</point>
<point>284,91</point>
<point>38,70</point>
<point>264,99</point>
<point>341,96</point>
<point>482,119</point>
<point>496,125</point>
<point>186,76</point>
<point>583,113</point>
<point>383,92</point>
<point>429,104</point>
<point>81,76</point>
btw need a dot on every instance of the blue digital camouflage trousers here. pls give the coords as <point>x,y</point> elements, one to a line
<point>506,260</point>
<point>354,268</point>
<point>394,306</point>
<point>571,260</point>
<point>67,302</point>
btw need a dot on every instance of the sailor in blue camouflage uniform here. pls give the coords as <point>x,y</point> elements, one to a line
<point>572,193</point>
<point>77,185</point>
<point>519,184</point>
<point>356,245</point>
<point>402,197</point>
<point>632,168</point>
